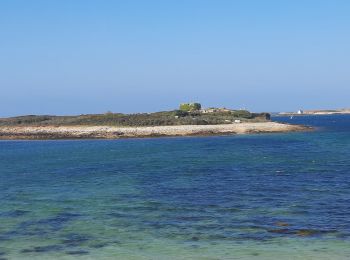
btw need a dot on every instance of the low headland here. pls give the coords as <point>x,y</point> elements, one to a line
<point>317,112</point>
<point>189,120</point>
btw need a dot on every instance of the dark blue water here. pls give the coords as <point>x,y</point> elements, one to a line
<point>266,196</point>
<point>327,123</point>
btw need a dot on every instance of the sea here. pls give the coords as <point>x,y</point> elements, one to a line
<point>259,196</point>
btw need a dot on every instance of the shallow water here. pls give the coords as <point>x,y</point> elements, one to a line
<point>267,196</point>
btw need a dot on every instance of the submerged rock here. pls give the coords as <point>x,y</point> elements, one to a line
<point>77,252</point>
<point>99,245</point>
<point>43,249</point>
<point>195,238</point>
<point>281,224</point>
<point>312,232</point>
<point>281,231</point>
<point>301,232</point>
<point>74,240</point>
<point>14,213</point>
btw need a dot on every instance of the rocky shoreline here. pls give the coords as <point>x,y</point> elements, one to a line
<point>113,132</point>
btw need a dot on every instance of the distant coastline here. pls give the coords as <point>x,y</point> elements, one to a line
<point>316,112</point>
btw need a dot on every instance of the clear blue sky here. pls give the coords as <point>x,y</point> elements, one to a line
<point>73,57</point>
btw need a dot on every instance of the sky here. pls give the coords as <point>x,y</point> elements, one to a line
<point>77,57</point>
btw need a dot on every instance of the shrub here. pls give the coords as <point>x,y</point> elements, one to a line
<point>242,114</point>
<point>190,106</point>
<point>196,106</point>
<point>181,113</point>
<point>185,107</point>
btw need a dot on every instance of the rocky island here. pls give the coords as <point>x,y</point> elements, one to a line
<point>189,120</point>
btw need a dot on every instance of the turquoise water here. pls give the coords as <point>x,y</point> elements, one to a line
<point>267,196</point>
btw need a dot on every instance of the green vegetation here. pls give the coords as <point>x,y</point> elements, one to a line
<point>176,117</point>
<point>181,113</point>
<point>242,114</point>
<point>190,106</point>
